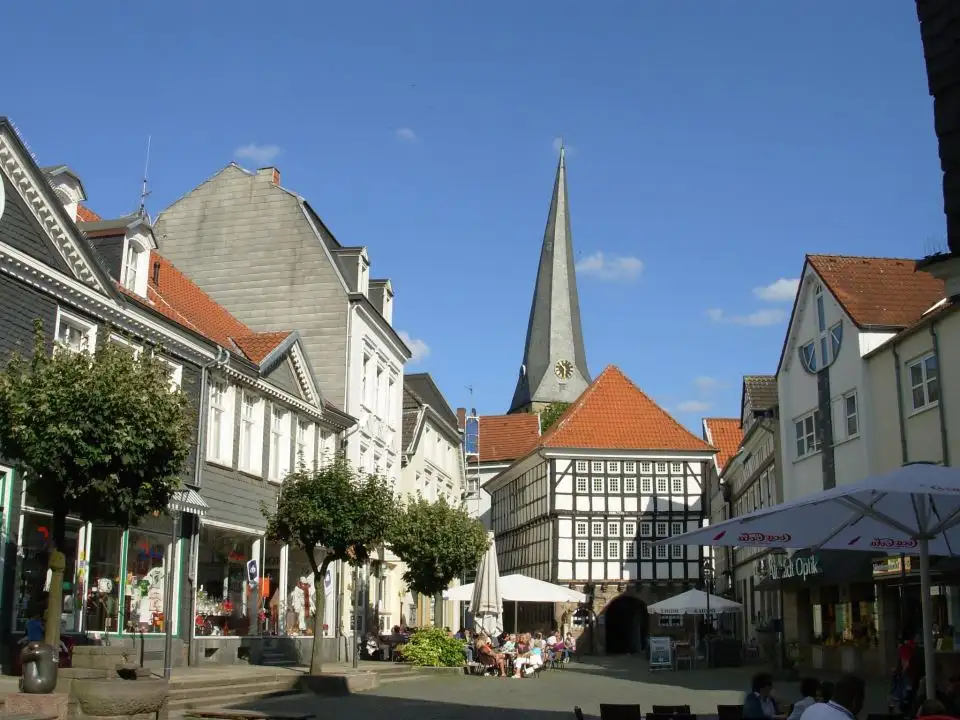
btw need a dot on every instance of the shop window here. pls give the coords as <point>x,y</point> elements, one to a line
<point>272,605</point>
<point>223,594</point>
<point>145,581</point>
<point>33,581</point>
<point>103,591</point>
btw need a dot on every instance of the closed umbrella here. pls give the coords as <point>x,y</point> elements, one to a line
<point>486,605</point>
<point>914,509</point>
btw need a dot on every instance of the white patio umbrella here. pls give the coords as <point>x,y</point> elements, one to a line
<point>520,588</point>
<point>486,604</point>
<point>694,602</point>
<point>915,508</point>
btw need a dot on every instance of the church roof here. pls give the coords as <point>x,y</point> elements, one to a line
<point>614,414</point>
<point>553,331</point>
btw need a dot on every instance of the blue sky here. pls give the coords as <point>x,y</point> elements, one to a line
<point>715,142</point>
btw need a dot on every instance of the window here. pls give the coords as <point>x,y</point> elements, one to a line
<point>613,467</point>
<point>613,529</point>
<point>646,551</point>
<point>175,373</point>
<point>388,409</point>
<point>646,485</point>
<point>597,528</point>
<point>821,312</point>
<point>676,485</point>
<point>326,449</point>
<point>73,333</point>
<point>582,528</point>
<point>581,549</point>
<point>251,434</point>
<point>130,266</point>
<point>629,467</point>
<point>364,383</point>
<point>581,466</point>
<point>598,485</point>
<point>676,528</point>
<point>836,339</point>
<point>924,381</point>
<point>630,485</point>
<point>661,468</point>
<point>808,357</point>
<point>378,389</point>
<point>661,529</point>
<point>582,486</point>
<point>676,468</point>
<point>305,443</point>
<point>661,486</point>
<point>662,552</point>
<point>852,422</point>
<point>613,485</point>
<point>676,552</point>
<point>597,550</point>
<point>808,434</point>
<point>646,468</point>
<point>279,444</point>
<point>629,529</point>
<point>630,550</point>
<point>613,549</point>
<point>646,529</point>
<point>596,466</point>
<point>671,621</point>
<point>220,423</point>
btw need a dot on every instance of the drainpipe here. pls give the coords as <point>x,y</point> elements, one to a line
<point>899,377</point>
<point>222,358</point>
<point>941,409</point>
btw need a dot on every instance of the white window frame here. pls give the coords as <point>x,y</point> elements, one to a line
<point>629,467</point>
<point>646,468</point>
<point>176,372</point>
<point>850,417</point>
<point>324,455</point>
<point>676,552</point>
<point>613,485</point>
<point>646,551</point>
<point>630,486</point>
<point>676,528</point>
<point>305,443</point>
<point>596,466</point>
<point>670,621</point>
<point>662,528</point>
<point>630,550</point>
<point>597,485</point>
<point>927,386</point>
<point>596,549</point>
<point>662,486</point>
<point>663,552</point>
<point>809,449</point>
<point>250,459</point>
<point>220,445</point>
<point>677,486</point>
<point>86,329</point>
<point>629,528</point>
<point>646,486</point>
<point>583,486</point>
<point>613,549</point>
<point>676,468</point>
<point>581,528</point>
<point>280,440</point>
<point>582,550</point>
<point>661,468</point>
<point>582,466</point>
<point>596,528</point>
<point>613,467</point>
<point>613,528</point>
<point>646,528</point>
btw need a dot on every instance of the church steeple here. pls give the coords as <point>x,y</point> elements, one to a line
<point>554,360</point>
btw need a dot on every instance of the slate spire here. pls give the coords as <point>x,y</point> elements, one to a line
<point>554,365</point>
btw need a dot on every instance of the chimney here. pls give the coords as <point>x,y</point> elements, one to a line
<point>270,172</point>
<point>461,418</point>
<point>156,273</point>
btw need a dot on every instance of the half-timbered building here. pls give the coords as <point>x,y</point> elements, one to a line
<point>584,506</point>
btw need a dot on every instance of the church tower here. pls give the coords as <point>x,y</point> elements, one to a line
<point>554,360</point>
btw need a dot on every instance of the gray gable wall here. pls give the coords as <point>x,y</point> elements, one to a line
<point>111,250</point>
<point>282,377</point>
<point>20,229</point>
<point>247,244</point>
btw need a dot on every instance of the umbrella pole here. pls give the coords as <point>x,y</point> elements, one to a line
<point>927,606</point>
<point>516,604</point>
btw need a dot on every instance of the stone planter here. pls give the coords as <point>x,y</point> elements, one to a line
<point>121,698</point>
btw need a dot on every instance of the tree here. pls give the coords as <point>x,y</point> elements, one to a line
<point>437,543</point>
<point>550,414</point>
<point>334,511</point>
<point>100,436</point>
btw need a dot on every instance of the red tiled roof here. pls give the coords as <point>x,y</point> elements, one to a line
<point>85,214</point>
<point>258,346</point>
<point>508,437</point>
<point>614,414</point>
<point>725,434</point>
<point>888,292</point>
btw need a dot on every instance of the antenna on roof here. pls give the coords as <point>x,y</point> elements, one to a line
<point>143,190</point>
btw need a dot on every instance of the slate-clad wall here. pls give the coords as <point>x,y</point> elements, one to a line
<point>20,307</point>
<point>282,376</point>
<point>111,250</point>
<point>19,229</point>
<point>235,497</point>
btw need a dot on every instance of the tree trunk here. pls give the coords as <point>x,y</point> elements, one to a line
<point>57,564</point>
<point>319,573</point>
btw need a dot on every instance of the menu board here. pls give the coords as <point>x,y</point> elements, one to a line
<point>660,652</point>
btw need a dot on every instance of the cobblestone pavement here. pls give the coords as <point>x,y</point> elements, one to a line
<point>548,697</point>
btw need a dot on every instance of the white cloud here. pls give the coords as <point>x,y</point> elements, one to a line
<point>260,154</point>
<point>418,348</point>
<point>760,318</point>
<point>612,268</point>
<point>783,290</point>
<point>706,383</point>
<point>693,406</point>
<point>407,135</point>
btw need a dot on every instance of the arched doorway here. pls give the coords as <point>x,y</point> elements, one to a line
<point>626,625</point>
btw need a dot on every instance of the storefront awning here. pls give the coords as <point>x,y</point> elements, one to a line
<point>188,501</point>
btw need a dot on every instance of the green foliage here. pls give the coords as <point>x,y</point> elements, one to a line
<point>98,436</point>
<point>433,647</point>
<point>437,543</point>
<point>550,414</point>
<point>335,508</point>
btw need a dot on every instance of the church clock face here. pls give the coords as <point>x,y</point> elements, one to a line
<point>563,369</point>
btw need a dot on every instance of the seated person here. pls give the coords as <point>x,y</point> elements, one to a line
<point>486,656</point>
<point>759,703</point>
<point>510,644</point>
<point>809,689</point>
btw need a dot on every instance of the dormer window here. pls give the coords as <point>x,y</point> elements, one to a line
<point>130,266</point>
<point>363,284</point>
<point>136,258</point>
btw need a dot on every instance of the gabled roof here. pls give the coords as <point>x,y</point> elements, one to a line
<point>52,171</point>
<point>85,214</point>
<point>725,434</point>
<point>878,292</point>
<point>423,385</point>
<point>504,438</point>
<point>614,414</point>
<point>412,408</point>
<point>761,391</point>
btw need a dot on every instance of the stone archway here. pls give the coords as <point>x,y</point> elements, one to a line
<point>625,625</point>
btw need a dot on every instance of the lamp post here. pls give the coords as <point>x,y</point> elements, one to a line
<point>708,584</point>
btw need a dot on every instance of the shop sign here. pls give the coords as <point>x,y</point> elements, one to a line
<point>802,567</point>
<point>891,566</point>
